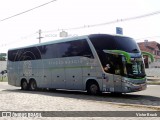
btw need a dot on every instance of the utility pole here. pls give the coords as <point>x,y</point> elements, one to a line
<point>40,37</point>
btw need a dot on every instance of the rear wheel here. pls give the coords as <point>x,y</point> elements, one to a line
<point>93,88</point>
<point>24,85</point>
<point>33,85</point>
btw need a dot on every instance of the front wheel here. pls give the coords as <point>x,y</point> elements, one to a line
<point>33,85</point>
<point>93,88</point>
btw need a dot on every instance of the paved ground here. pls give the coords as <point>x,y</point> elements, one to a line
<point>13,99</point>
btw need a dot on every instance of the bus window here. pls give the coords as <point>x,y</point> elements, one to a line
<point>114,64</point>
<point>74,48</point>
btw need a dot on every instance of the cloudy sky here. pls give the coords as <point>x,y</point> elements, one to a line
<point>22,29</point>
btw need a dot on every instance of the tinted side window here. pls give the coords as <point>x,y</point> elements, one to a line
<point>48,51</point>
<point>74,48</point>
<point>31,53</point>
<point>11,55</point>
<point>85,49</point>
<point>62,49</point>
<point>15,55</point>
<point>65,49</point>
<point>103,42</point>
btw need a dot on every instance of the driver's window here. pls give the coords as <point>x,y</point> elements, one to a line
<point>113,64</point>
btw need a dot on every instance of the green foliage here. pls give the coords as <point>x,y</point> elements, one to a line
<point>3,78</point>
<point>2,56</point>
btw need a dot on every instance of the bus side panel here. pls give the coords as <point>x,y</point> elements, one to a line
<point>45,79</point>
<point>90,72</point>
<point>58,78</point>
<point>74,74</point>
<point>11,73</point>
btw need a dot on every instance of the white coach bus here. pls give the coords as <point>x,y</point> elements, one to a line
<point>95,63</point>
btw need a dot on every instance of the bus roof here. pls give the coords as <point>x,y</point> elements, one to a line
<point>64,40</point>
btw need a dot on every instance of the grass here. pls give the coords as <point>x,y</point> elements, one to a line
<point>3,79</point>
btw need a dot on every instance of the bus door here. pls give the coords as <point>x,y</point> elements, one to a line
<point>114,66</point>
<point>118,68</point>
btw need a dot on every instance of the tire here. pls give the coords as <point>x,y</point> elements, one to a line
<point>24,85</point>
<point>33,85</point>
<point>93,88</point>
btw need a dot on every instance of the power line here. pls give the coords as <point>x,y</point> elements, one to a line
<point>27,10</point>
<point>17,41</point>
<point>110,22</point>
<point>142,16</point>
<point>101,24</point>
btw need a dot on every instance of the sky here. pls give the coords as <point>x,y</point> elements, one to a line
<point>62,15</point>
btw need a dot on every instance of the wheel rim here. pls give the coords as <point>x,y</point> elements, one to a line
<point>93,89</point>
<point>24,85</point>
<point>33,85</point>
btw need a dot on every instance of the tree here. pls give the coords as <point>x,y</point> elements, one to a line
<point>2,56</point>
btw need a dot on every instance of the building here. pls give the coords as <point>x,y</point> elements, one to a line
<point>153,48</point>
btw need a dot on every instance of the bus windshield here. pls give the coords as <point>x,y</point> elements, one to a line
<point>106,42</point>
<point>135,69</point>
<point>117,64</point>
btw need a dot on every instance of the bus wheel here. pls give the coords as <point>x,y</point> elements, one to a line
<point>24,85</point>
<point>93,88</point>
<point>33,85</point>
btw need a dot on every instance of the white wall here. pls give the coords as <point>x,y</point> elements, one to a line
<point>155,72</point>
<point>3,65</point>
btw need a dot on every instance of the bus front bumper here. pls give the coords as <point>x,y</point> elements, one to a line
<point>132,85</point>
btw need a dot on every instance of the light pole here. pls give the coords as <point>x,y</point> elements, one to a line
<point>40,37</point>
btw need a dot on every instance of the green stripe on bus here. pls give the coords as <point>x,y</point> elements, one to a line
<point>126,54</point>
<point>148,54</point>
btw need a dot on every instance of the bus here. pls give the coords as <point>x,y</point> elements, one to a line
<point>94,63</point>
